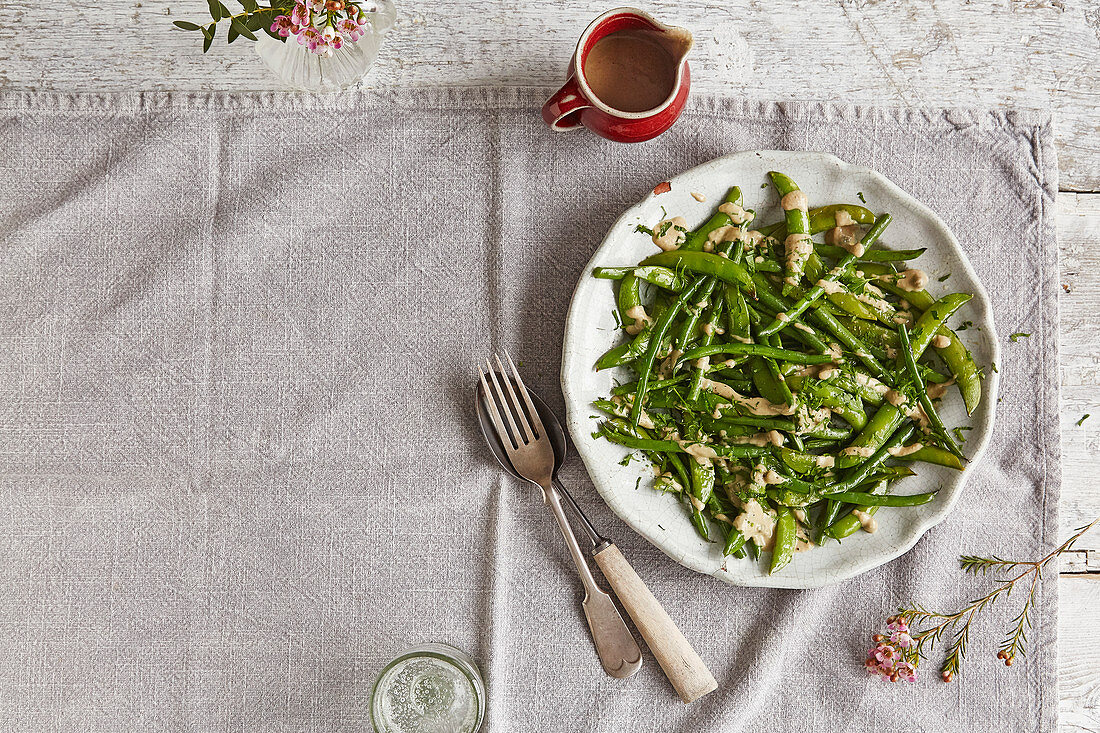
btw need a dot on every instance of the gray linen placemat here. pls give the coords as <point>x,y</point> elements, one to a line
<point>238,462</point>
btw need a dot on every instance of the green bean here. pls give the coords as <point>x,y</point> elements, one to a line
<point>659,329</point>
<point>709,327</point>
<point>671,446</point>
<point>866,499</point>
<point>875,433</point>
<point>829,322</point>
<point>878,255</point>
<point>922,393</point>
<point>786,537</point>
<point>864,470</point>
<point>693,312</point>
<point>794,357</point>
<point>849,523</point>
<point>955,355</point>
<point>631,387</point>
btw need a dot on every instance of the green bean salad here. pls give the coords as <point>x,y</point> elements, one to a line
<point>781,384</point>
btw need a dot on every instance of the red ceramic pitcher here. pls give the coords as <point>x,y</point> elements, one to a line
<point>576,105</point>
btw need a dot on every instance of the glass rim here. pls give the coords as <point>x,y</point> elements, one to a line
<point>452,655</point>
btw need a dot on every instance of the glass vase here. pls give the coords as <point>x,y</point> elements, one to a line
<point>302,69</point>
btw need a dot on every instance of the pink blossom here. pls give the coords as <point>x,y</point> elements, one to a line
<point>327,46</point>
<point>310,38</point>
<point>885,654</point>
<point>300,15</point>
<point>282,26</point>
<point>352,29</point>
<point>315,5</point>
<point>906,671</point>
<point>897,623</point>
<point>901,639</point>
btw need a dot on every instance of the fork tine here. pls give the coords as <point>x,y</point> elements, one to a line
<point>490,402</point>
<point>536,421</point>
<point>518,438</point>
<point>528,433</point>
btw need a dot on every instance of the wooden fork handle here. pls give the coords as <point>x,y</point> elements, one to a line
<point>682,665</point>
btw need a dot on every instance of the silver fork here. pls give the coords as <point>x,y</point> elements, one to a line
<point>529,449</point>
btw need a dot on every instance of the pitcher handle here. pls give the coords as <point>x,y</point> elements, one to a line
<point>562,110</point>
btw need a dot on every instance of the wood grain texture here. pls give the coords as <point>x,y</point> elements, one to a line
<point>1078,653</point>
<point>1079,345</point>
<point>1032,54</point>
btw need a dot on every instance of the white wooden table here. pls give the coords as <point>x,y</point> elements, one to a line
<point>1034,54</point>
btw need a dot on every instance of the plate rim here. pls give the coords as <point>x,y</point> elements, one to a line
<point>918,529</point>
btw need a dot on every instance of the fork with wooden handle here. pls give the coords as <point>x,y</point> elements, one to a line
<point>525,440</point>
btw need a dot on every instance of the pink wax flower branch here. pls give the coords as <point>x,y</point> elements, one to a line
<point>321,26</point>
<point>914,632</point>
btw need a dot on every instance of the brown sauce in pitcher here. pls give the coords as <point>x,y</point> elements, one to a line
<point>631,70</point>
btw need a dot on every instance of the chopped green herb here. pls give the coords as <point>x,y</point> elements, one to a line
<point>941,279</point>
<point>995,369</point>
<point>763,185</point>
<point>859,194</point>
<point>618,321</point>
<point>638,482</point>
<point>964,325</point>
<point>958,433</point>
<point>662,528</point>
<point>1017,336</point>
<point>1083,418</point>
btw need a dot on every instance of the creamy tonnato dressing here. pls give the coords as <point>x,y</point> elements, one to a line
<point>698,196</point>
<point>846,236</point>
<point>632,70</point>
<point>798,248</point>
<point>701,453</point>
<point>936,391</point>
<point>772,437</point>
<point>669,233</point>
<point>756,523</point>
<point>737,214</point>
<point>641,319</point>
<point>912,280</point>
<point>939,341</point>
<point>866,520</point>
<point>904,450</point>
<point>755,405</point>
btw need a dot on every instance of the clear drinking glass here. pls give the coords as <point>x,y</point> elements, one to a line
<point>432,688</point>
<point>301,69</point>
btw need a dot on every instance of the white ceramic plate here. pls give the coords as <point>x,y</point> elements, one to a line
<point>591,330</point>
